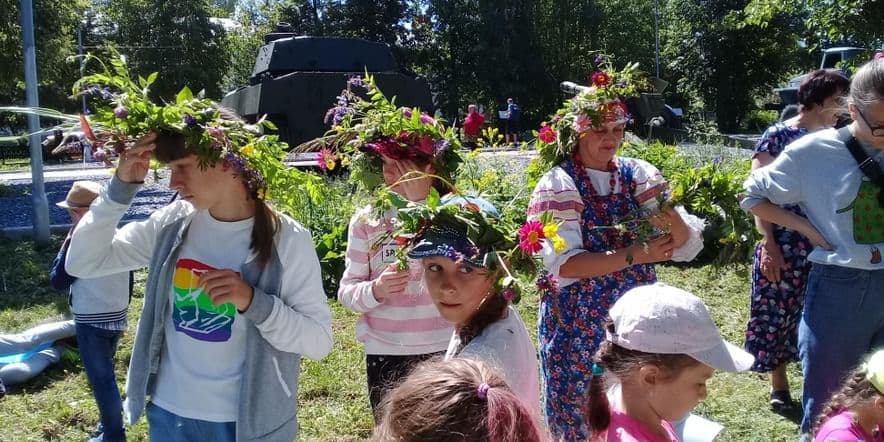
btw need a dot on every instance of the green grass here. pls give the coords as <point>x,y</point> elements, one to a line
<point>15,164</point>
<point>333,403</point>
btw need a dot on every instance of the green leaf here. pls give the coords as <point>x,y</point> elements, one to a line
<point>184,96</point>
<point>433,199</point>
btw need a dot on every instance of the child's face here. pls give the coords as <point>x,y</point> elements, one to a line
<point>457,288</point>
<point>674,398</point>
<point>202,187</point>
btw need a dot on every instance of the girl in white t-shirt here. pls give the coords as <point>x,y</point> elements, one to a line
<point>462,270</point>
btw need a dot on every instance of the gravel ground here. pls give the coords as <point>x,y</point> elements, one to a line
<point>16,209</point>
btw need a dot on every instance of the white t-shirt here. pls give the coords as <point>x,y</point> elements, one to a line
<point>204,348</point>
<point>506,346</point>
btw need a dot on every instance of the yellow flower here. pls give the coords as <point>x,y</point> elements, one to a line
<point>345,161</point>
<point>264,194</point>
<point>330,164</point>
<point>247,150</point>
<point>551,230</point>
<point>559,244</point>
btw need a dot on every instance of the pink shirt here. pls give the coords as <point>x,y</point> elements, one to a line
<point>842,428</point>
<point>406,325</point>
<point>624,428</point>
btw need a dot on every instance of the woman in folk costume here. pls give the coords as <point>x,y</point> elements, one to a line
<point>613,226</point>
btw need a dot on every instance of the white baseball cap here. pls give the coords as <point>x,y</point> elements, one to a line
<point>658,318</point>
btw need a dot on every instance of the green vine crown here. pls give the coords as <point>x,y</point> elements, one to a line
<point>464,228</point>
<point>124,112</point>
<point>364,129</point>
<point>592,107</point>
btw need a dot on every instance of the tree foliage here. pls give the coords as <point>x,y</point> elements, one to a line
<point>176,38</point>
<point>855,22</point>
<point>721,65</point>
<point>55,33</point>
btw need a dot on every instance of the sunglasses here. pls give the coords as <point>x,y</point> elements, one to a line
<point>877,131</point>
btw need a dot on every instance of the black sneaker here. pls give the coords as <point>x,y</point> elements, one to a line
<point>781,400</point>
<point>2,388</point>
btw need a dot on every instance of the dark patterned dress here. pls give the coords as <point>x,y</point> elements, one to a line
<point>775,308</point>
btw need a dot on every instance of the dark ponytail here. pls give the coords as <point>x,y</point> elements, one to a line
<point>488,313</point>
<point>264,231</point>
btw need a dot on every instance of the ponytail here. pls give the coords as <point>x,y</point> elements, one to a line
<point>488,313</point>
<point>598,409</point>
<point>264,231</point>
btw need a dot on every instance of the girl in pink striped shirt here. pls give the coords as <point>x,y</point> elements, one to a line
<point>399,325</point>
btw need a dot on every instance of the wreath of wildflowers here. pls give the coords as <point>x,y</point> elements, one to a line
<point>603,102</point>
<point>124,112</point>
<point>364,129</point>
<point>494,242</point>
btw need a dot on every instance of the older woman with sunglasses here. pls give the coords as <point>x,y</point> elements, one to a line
<point>835,176</point>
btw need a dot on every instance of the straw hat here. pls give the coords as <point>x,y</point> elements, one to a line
<point>81,195</point>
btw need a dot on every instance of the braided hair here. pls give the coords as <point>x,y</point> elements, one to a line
<point>856,391</point>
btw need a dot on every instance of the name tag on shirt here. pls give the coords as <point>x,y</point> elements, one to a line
<point>388,253</point>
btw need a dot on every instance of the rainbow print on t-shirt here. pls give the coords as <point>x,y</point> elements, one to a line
<point>193,312</point>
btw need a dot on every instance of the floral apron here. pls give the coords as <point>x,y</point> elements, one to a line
<point>572,318</point>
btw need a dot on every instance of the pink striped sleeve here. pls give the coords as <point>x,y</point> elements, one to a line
<point>355,291</point>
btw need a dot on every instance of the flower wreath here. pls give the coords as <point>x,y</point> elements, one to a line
<point>593,106</point>
<point>124,112</point>
<point>363,130</point>
<point>494,242</point>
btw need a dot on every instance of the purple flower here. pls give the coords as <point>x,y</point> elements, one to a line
<point>406,113</point>
<point>189,120</point>
<point>509,294</point>
<point>440,147</point>
<point>599,59</point>
<point>355,81</point>
<point>452,254</point>
<point>106,93</point>
<point>547,283</point>
<point>622,83</point>
<point>716,160</point>
<point>336,114</point>
<point>121,112</point>
<point>426,119</point>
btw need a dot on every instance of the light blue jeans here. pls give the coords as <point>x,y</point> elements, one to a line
<point>843,320</point>
<point>165,426</point>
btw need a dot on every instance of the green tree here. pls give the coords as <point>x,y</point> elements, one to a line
<point>722,65</point>
<point>55,32</point>
<point>825,21</point>
<point>176,38</point>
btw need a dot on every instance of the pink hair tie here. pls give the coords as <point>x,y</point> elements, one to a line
<point>879,55</point>
<point>482,391</point>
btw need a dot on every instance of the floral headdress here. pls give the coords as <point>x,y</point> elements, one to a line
<point>590,108</point>
<point>469,229</point>
<point>124,112</point>
<point>363,130</point>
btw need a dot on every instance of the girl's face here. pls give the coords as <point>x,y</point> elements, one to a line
<point>598,145</point>
<point>674,398</point>
<point>457,288</point>
<point>393,171</point>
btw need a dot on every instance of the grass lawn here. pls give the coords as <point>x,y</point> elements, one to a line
<point>57,405</point>
<point>14,165</point>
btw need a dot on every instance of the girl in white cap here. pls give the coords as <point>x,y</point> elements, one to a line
<point>662,346</point>
<point>856,412</point>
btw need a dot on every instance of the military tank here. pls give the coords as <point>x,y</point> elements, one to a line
<point>296,79</point>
